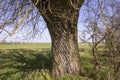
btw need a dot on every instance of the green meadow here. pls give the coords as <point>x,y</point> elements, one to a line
<point>34,45</point>
<point>32,61</point>
<point>25,46</point>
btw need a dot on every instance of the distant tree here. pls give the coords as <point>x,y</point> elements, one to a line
<point>3,41</point>
<point>102,25</point>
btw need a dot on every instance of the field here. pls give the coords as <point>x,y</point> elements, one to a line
<point>25,46</point>
<point>33,45</point>
<point>32,61</point>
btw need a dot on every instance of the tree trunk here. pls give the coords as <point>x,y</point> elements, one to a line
<point>95,59</point>
<point>66,59</point>
<point>61,17</point>
<point>117,70</point>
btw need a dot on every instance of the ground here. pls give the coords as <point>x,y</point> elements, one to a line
<point>32,61</point>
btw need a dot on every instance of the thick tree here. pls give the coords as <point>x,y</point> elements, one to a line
<point>61,17</point>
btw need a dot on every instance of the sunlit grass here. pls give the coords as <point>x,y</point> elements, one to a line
<point>32,61</point>
<point>25,46</point>
<point>25,64</point>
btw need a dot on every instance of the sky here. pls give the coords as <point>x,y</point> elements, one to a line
<point>44,37</point>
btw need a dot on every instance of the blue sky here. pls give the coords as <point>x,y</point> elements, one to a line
<point>44,37</point>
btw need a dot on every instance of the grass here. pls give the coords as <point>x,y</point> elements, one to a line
<point>34,46</point>
<point>22,64</point>
<point>33,62</point>
<point>25,64</point>
<point>25,46</point>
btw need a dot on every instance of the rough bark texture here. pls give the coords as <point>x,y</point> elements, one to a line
<point>65,52</point>
<point>61,17</point>
<point>117,71</point>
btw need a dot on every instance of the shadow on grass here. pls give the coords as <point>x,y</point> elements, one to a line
<point>16,64</point>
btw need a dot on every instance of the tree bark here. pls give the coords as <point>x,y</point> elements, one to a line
<point>117,70</point>
<point>66,59</point>
<point>61,17</point>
